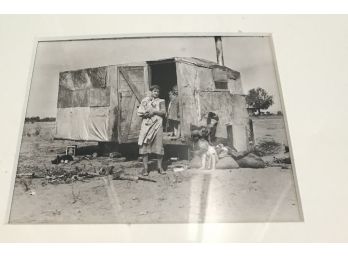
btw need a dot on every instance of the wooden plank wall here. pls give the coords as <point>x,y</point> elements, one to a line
<point>112,78</point>
<point>186,79</point>
<point>221,104</point>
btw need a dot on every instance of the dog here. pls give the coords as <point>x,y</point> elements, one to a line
<point>209,156</point>
<point>207,152</point>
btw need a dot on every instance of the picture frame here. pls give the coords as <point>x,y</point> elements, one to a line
<point>311,229</point>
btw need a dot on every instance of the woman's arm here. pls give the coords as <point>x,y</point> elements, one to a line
<point>159,113</point>
<point>162,110</point>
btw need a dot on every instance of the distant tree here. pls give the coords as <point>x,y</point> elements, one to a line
<point>48,119</point>
<point>259,99</point>
<point>32,119</point>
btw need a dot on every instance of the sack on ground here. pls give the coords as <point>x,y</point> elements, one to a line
<point>227,162</point>
<point>251,161</point>
<point>236,155</point>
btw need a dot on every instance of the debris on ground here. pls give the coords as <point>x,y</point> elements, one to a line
<point>106,171</point>
<point>62,159</point>
<point>121,175</point>
<point>267,147</point>
<point>120,159</point>
<point>115,155</point>
<point>278,160</point>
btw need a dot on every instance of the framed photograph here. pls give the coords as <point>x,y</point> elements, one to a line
<point>181,132</point>
<point>167,129</point>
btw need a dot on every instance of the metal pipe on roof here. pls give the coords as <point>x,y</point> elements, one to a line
<point>219,52</point>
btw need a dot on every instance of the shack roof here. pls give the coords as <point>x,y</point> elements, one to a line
<point>197,62</point>
<point>189,60</point>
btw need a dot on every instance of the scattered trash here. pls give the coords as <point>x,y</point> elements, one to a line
<point>115,155</point>
<point>143,213</point>
<point>174,158</point>
<point>106,171</point>
<point>121,159</point>
<point>32,192</point>
<point>120,175</point>
<point>64,158</point>
<point>95,155</point>
<point>282,160</point>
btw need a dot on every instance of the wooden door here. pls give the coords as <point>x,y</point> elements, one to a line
<point>132,85</point>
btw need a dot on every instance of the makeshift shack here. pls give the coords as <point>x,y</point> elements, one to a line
<point>100,104</point>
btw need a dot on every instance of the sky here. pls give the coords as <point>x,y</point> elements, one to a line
<point>251,56</point>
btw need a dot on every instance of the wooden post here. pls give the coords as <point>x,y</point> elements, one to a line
<point>229,135</point>
<point>219,52</point>
<point>251,136</point>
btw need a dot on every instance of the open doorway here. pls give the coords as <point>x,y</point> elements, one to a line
<point>164,75</point>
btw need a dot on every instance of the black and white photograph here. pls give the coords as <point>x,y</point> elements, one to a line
<point>155,129</point>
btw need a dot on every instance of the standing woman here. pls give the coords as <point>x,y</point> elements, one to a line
<point>152,110</point>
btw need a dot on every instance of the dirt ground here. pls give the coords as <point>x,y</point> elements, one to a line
<point>238,195</point>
